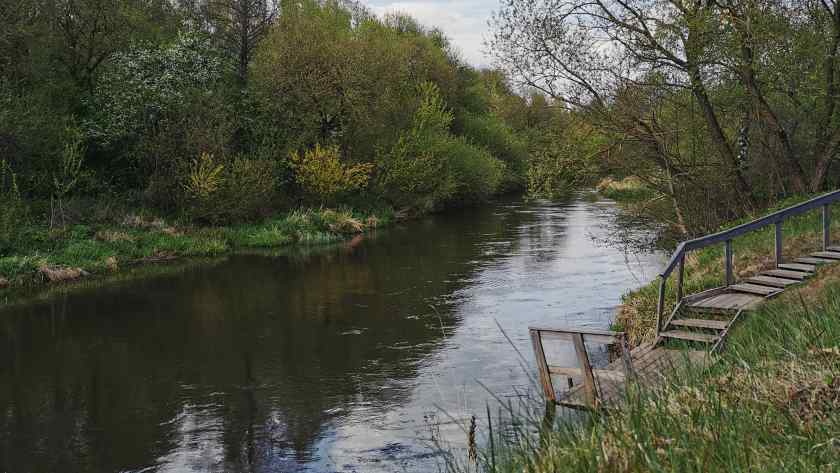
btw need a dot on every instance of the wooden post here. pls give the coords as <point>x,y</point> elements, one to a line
<point>680,278</point>
<point>826,222</point>
<point>625,355</point>
<point>660,305</point>
<point>588,378</point>
<point>728,257</point>
<point>542,366</point>
<point>779,259</point>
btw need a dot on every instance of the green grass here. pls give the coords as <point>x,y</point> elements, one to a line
<point>627,190</point>
<point>105,248</point>
<point>770,404</point>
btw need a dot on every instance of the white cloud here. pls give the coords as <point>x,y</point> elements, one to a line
<point>464,22</point>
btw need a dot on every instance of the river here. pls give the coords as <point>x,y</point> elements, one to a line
<point>349,359</point>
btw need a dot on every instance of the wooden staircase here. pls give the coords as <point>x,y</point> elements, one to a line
<point>708,318</point>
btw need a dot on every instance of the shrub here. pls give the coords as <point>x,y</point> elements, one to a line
<point>321,173</point>
<point>429,167</point>
<point>477,173</point>
<point>219,193</point>
<point>12,210</point>
<point>501,141</point>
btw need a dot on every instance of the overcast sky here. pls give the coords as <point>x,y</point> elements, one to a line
<point>463,21</point>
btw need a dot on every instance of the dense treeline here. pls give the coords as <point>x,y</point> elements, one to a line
<point>721,107</point>
<point>222,111</point>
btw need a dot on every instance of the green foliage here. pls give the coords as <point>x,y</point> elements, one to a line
<point>502,142</point>
<point>429,167</point>
<point>12,210</point>
<point>140,86</point>
<point>217,193</point>
<point>321,173</point>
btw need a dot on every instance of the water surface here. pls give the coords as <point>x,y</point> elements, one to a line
<point>348,359</point>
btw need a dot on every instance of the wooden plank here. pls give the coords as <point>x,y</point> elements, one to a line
<point>832,255</point>
<point>701,323</point>
<point>607,374</point>
<point>783,273</point>
<point>754,289</point>
<point>692,336</point>
<point>704,294</point>
<point>569,336</point>
<point>807,268</point>
<point>771,281</point>
<point>833,249</point>
<point>542,366</point>
<point>812,260</point>
<point>588,378</point>
<point>651,365</point>
<point>729,301</point>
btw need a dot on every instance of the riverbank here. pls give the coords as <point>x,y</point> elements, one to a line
<point>43,255</point>
<point>768,404</point>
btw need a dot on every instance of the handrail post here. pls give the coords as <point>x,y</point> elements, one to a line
<point>826,223</point>
<point>778,252</point>
<point>589,389</point>
<point>542,366</point>
<point>728,257</point>
<point>680,278</point>
<point>660,305</point>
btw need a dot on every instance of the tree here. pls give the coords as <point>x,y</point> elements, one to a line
<point>241,24</point>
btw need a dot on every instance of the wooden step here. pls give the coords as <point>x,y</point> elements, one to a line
<point>827,255</point>
<point>811,260</point>
<point>808,268</point>
<point>782,273</point>
<point>701,323</point>
<point>835,249</point>
<point>754,289</point>
<point>771,281</point>
<point>692,336</point>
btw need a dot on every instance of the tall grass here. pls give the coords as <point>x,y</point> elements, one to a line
<point>770,404</point>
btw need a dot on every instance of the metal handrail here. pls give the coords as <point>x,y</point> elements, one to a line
<point>775,217</point>
<point>726,236</point>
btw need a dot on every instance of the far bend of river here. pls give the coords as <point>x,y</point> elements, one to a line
<point>339,361</point>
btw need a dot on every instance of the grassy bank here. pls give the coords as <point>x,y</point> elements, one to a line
<point>770,403</point>
<point>43,255</point>
<point>629,189</point>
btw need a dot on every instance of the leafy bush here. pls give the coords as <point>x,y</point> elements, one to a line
<point>321,173</point>
<point>502,142</point>
<point>226,193</point>
<point>12,210</point>
<point>429,167</point>
<point>477,173</point>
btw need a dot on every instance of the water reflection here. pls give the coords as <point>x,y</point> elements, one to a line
<point>335,361</point>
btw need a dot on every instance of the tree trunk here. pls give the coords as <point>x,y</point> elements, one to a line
<point>698,89</point>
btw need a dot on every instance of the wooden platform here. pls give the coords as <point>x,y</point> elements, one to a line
<point>727,301</point>
<point>651,366</point>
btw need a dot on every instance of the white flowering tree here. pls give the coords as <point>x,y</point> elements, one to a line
<point>139,86</point>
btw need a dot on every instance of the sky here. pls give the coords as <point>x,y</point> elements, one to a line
<point>463,21</point>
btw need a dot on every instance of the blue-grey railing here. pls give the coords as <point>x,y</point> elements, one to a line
<point>677,261</point>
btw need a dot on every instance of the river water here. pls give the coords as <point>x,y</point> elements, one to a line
<point>354,358</point>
